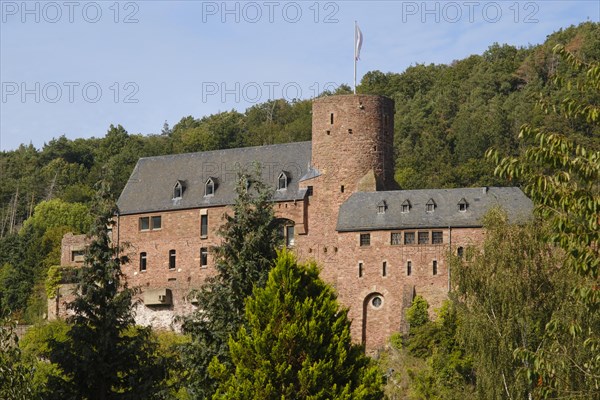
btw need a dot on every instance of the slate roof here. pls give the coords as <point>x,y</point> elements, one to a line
<point>360,211</point>
<point>150,186</point>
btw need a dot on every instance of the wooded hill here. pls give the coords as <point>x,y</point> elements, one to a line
<point>447,116</point>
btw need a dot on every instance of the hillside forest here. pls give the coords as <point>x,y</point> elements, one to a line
<point>473,122</point>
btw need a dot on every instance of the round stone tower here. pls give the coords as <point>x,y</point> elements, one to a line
<point>352,150</point>
<point>353,142</point>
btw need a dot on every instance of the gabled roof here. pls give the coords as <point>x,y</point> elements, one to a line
<point>150,186</point>
<point>358,212</point>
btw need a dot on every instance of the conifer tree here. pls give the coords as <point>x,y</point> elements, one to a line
<point>251,235</point>
<point>105,356</point>
<point>296,343</point>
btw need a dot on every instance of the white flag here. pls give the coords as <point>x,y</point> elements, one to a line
<point>358,36</point>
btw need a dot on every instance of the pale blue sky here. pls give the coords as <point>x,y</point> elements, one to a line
<point>163,60</point>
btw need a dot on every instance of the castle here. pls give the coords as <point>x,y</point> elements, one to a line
<point>377,245</point>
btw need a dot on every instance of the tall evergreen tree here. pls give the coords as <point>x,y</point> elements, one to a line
<point>296,344</point>
<point>105,356</point>
<point>251,235</point>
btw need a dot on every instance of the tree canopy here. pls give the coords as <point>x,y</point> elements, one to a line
<point>296,343</point>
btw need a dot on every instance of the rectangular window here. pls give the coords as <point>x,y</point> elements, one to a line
<point>384,269</point>
<point>365,239</point>
<point>143,261</point>
<point>289,235</point>
<point>434,266</point>
<point>408,268</point>
<point>172,259</point>
<point>203,257</point>
<point>395,238</point>
<point>437,237</point>
<point>331,118</point>
<point>360,270</point>
<point>77,255</point>
<point>144,223</point>
<point>409,238</point>
<point>204,226</point>
<point>309,190</point>
<point>156,222</point>
<point>423,237</point>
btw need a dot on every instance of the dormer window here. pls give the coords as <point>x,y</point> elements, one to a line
<point>282,181</point>
<point>178,190</point>
<point>430,206</point>
<point>381,207</point>
<point>209,187</point>
<point>463,205</point>
<point>405,206</point>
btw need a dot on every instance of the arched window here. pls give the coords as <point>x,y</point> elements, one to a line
<point>172,259</point>
<point>430,206</point>
<point>282,181</point>
<point>178,190</point>
<point>209,187</point>
<point>405,206</point>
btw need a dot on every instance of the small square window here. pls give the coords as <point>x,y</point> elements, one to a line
<point>437,237</point>
<point>144,223</point>
<point>365,239</point>
<point>409,238</point>
<point>396,238</point>
<point>77,255</point>
<point>423,237</point>
<point>156,222</point>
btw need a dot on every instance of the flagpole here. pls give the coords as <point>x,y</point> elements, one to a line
<point>355,39</point>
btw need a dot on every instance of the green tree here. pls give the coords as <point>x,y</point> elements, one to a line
<point>562,176</point>
<point>35,348</point>
<point>15,375</point>
<point>296,343</point>
<point>104,355</point>
<point>251,235</point>
<point>506,294</point>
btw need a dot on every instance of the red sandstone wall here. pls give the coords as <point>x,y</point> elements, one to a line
<point>69,244</point>
<point>180,231</point>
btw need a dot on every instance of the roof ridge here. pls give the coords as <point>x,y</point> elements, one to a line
<point>224,150</point>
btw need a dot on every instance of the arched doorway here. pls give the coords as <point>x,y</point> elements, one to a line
<point>372,319</point>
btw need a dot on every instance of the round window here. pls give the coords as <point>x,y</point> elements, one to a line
<point>377,301</point>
